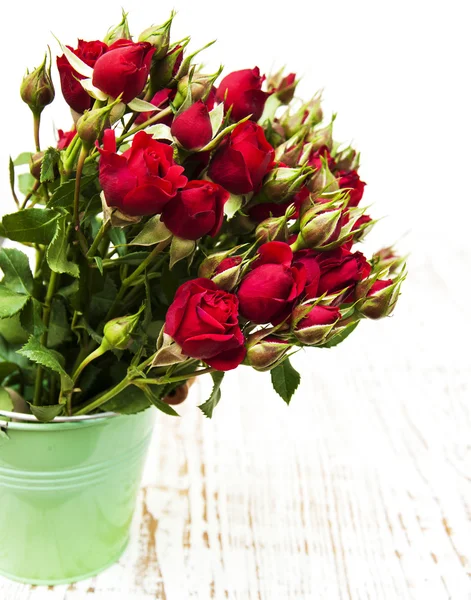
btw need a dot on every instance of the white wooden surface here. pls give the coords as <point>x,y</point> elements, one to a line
<point>359,490</point>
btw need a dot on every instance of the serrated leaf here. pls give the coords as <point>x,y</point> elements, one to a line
<point>22,159</point>
<point>344,332</point>
<point>56,253</point>
<point>138,105</point>
<point>216,117</point>
<point>10,302</point>
<point>160,131</point>
<point>49,161</point>
<point>153,232</point>
<point>16,269</point>
<point>33,225</point>
<point>25,183</point>
<point>45,414</point>
<point>6,403</point>
<point>210,404</point>
<point>63,197</point>
<point>31,319</point>
<point>285,380</point>
<point>47,358</point>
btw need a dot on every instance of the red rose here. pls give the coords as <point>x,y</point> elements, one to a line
<point>309,260</point>
<point>141,180</point>
<point>268,291</point>
<point>261,212</point>
<point>320,315</point>
<point>192,128</point>
<point>243,160</point>
<point>351,179</point>
<point>340,269</point>
<point>314,328</point>
<point>228,263</point>
<point>65,137</point>
<point>196,210</point>
<point>123,69</point>
<point>161,100</point>
<point>243,91</point>
<point>74,94</point>
<point>378,285</point>
<point>203,320</point>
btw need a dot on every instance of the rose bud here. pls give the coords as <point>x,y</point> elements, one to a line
<point>381,299</point>
<point>323,180</point>
<point>386,258</point>
<point>351,180</point>
<point>228,272</point>
<point>160,100</point>
<point>312,324</point>
<point>35,163</point>
<point>203,320</point>
<point>286,89</point>
<point>242,90</point>
<point>284,183</point>
<point>123,70</point>
<point>242,160</point>
<point>192,127</point>
<point>37,90</point>
<point>218,262</point>
<point>268,291</point>
<point>141,180</point>
<point>318,228</point>
<point>341,270</point>
<point>264,354</point>
<point>321,137</point>
<point>120,32</point>
<point>275,229</point>
<point>117,333</point>
<point>92,124</point>
<point>196,210</point>
<point>361,227</point>
<point>74,94</point>
<point>65,138</point>
<point>201,87</point>
<point>307,115</point>
<point>347,160</point>
<point>163,71</point>
<point>159,37</point>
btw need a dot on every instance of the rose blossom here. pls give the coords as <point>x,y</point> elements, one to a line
<point>192,127</point>
<point>141,180</point>
<point>242,90</point>
<point>203,320</point>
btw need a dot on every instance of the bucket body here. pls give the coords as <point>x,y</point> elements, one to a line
<point>67,495</point>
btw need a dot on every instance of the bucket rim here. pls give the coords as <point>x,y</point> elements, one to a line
<point>31,423</point>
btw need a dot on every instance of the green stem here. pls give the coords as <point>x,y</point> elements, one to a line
<point>30,194</point>
<point>164,380</point>
<point>91,357</point>
<point>105,226</point>
<point>45,318</point>
<point>78,177</point>
<point>70,157</point>
<point>155,119</point>
<point>37,125</point>
<point>102,398</point>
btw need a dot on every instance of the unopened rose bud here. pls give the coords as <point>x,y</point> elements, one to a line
<point>283,86</point>
<point>318,227</point>
<point>199,84</point>
<point>159,37</point>
<point>218,263</point>
<point>92,124</point>
<point>381,299</point>
<point>275,229</point>
<point>35,164</point>
<point>323,180</point>
<point>120,32</point>
<point>347,160</point>
<point>163,71</point>
<point>322,137</point>
<point>308,115</point>
<point>264,354</point>
<point>283,183</point>
<point>117,333</point>
<point>361,227</point>
<point>228,272</point>
<point>37,89</point>
<point>387,259</point>
<point>312,325</point>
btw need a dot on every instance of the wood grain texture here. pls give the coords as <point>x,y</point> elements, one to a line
<point>360,490</point>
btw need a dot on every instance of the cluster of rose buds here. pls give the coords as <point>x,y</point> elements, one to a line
<point>239,179</point>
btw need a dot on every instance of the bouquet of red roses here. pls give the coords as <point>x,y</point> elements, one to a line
<point>184,225</point>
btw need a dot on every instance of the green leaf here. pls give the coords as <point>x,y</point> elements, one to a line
<point>6,403</point>
<point>63,197</point>
<point>9,354</point>
<point>153,232</point>
<point>233,205</point>
<point>15,266</point>
<point>99,263</point>
<point>12,176</point>
<point>22,159</point>
<point>57,251</point>
<point>118,239</point>
<point>7,369</point>
<point>31,318</point>
<point>131,400</point>
<point>50,160</point>
<point>47,413</point>
<point>47,358</point>
<point>10,302</point>
<point>154,396</point>
<point>26,182</point>
<point>344,332</point>
<point>59,328</point>
<point>213,400</point>
<point>33,225</point>
<point>285,380</point>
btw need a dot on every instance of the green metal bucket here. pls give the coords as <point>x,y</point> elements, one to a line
<point>67,495</point>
